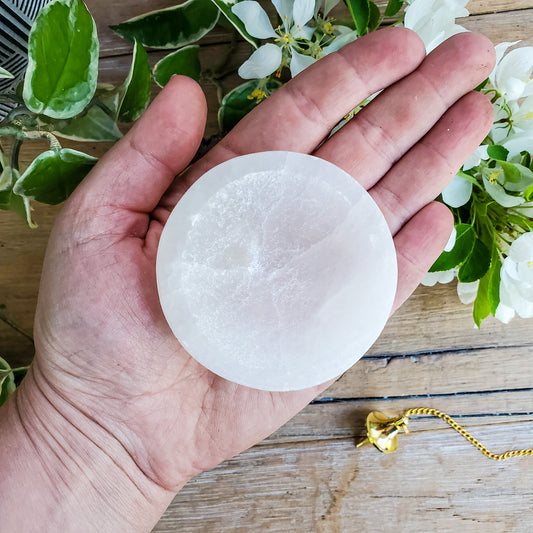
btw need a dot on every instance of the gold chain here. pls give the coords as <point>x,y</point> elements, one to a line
<point>450,421</point>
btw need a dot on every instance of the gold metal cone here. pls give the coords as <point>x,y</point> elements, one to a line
<point>382,431</point>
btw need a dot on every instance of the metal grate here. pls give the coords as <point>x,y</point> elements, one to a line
<point>16,17</point>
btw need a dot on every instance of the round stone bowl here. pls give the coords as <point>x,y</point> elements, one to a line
<point>276,270</point>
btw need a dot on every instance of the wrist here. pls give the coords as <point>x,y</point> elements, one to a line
<point>70,472</point>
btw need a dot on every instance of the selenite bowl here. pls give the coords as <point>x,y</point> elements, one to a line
<point>276,270</point>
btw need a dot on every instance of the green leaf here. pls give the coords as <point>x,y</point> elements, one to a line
<point>482,303</point>
<point>476,264</point>
<point>526,159</point>
<point>184,61</point>
<point>236,22</point>
<point>95,125</point>
<point>9,201</point>
<point>525,178</point>
<point>375,17</point>
<point>7,381</point>
<point>464,242</point>
<point>136,90</point>
<point>109,96</point>
<point>360,11</point>
<point>6,179</point>
<point>467,177</point>
<point>511,172</point>
<point>528,194</point>
<point>498,152</point>
<point>53,175</point>
<point>494,281</point>
<point>238,102</point>
<point>62,60</point>
<point>393,7</point>
<point>5,74</point>
<point>172,27</point>
<point>482,85</point>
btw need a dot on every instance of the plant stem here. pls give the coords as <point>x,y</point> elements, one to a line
<point>50,137</point>
<point>15,154</point>
<point>20,369</point>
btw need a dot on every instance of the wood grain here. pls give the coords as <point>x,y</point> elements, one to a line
<point>111,13</point>
<point>437,482</point>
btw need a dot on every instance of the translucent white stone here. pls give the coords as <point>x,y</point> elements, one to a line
<point>276,270</point>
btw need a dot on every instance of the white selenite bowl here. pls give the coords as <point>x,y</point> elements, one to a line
<point>276,270</point>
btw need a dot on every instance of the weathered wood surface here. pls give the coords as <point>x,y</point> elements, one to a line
<point>308,476</point>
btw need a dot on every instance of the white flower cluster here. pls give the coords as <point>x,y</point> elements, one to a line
<point>306,35</point>
<point>512,91</point>
<point>294,43</point>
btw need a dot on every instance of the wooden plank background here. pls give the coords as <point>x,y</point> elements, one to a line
<point>308,476</point>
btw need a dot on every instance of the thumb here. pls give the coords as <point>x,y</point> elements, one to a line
<point>136,172</point>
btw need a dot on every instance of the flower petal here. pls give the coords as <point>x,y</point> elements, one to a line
<point>431,278</point>
<point>518,143</point>
<point>434,20</point>
<point>467,292</point>
<point>339,42</point>
<point>515,65</point>
<point>458,192</point>
<point>255,19</point>
<point>522,248</point>
<point>303,11</point>
<point>302,32</point>
<point>498,193</point>
<point>476,157</point>
<point>300,62</point>
<point>514,88</point>
<point>504,313</point>
<point>264,61</point>
<point>284,9</point>
<point>523,307</point>
<point>500,49</point>
<point>451,241</point>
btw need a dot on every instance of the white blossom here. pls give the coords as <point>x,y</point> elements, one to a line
<point>300,62</point>
<point>516,286</point>
<point>479,154</point>
<point>498,192</point>
<point>511,76</point>
<point>467,292</point>
<point>267,58</point>
<point>432,278</point>
<point>457,192</point>
<point>517,135</point>
<point>434,20</point>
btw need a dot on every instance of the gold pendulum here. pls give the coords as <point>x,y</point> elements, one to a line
<point>382,432</point>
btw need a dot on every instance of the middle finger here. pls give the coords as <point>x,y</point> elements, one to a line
<point>369,145</point>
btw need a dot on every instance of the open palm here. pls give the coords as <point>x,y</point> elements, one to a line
<point>103,348</point>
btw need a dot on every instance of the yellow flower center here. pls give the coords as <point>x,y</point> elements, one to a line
<point>258,95</point>
<point>287,38</point>
<point>493,178</point>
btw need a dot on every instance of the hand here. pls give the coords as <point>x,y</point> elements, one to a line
<point>107,366</point>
